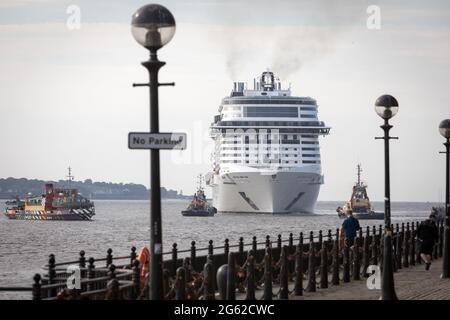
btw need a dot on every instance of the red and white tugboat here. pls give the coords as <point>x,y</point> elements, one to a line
<point>54,204</point>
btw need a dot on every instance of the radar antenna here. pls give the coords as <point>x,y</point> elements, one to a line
<point>70,176</point>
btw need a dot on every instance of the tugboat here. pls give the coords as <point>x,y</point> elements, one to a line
<point>359,202</point>
<point>54,204</point>
<point>199,207</point>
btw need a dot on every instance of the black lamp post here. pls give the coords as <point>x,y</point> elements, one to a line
<point>386,107</point>
<point>153,26</point>
<point>444,129</point>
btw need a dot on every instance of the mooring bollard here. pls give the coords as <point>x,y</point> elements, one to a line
<point>174,258</point>
<point>324,266</point>
<point>91,274</point>
<point>254,244</point>
<point>284,279</point>
<point>406,239</point>
<point>346,264</point>
<point>226,248</point>
<point>356,262</point>
<point>193,255</point>
<point>311,265</point>
<point>36,293</point>
<point>51,274</point>
<point>208,282</point>
<point>136,279</point>
<point>298,289</point>
<point>250,279</point>
<point>231,281</point>
<point>109,257</point>
<point>268,274</point>
<point>180,284</point>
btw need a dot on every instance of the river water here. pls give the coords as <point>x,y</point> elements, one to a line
<point>25,245</point>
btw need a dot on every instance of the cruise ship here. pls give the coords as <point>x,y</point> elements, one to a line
<point>266,156</point>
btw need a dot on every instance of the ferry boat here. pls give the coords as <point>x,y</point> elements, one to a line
<point>53,204</point>
<point>266,157</point>
<point>359,202</point>
<point>199,206</point>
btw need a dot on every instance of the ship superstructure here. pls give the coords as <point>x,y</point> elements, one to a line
<point>266,156</point>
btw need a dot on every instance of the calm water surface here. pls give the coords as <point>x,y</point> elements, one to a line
<point>25,245</point>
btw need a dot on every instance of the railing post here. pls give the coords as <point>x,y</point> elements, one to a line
<point>254,245</point>
<point>180,284</point>
<point>374,246</point>
<point>109,257</point>
<point>268,274</point>
<point>267,241</point>
<point>174,258</point>
<point>135,278</point>
<point>82,265</point>
<point>211,247</point>
<point>441,238</point>
<point>335,275</point>
<point>231,280</point>
<point>346,277</point>
<point>133,256</point>
<point>91,274</point>
<point>284,280</point>
<point>356,262</point>
<point>208,282</point>
<point>37,287</point>
<point>324,267</point>
<point>406,247</point>
<point>187,267</point>
<point>320,239</point>
<point>250,294</point>
<point>241,250</point>
<point>298,289</point>
<point>279,246</point>
<point>291,242</point>
<point>394,250</point>
<point>193,255</point>
<point>226,248</point>
<point>311,265</point>
<point>418,258</point>
<point>412,255</point>
<point>398,247</point>
<point>51,274</point>
<point>366,253</point>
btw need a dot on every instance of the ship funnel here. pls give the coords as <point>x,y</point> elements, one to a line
<point>267,81</point>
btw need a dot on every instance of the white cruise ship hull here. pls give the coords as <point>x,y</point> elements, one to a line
<point>266,192</point>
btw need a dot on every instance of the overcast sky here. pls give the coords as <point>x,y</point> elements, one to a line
<point>66,95</point>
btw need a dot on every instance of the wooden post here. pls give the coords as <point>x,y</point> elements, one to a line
<point>406,247</point>
<point>346,277</point>
<point>335,275</point>
<point>298,289</point>
<point>251,285</point>
<point>412,255</point>
<point>441,238</point>
<point>356,262</point>
<point>268,274</point>
<point>284,280</point>
<point>180,284</point>
<point>324,266</point>
<point>311,265</point>
<point>208,281</point>
<point>374,247</point>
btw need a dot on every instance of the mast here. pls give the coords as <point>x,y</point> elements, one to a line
<point>359,174</point>
<point>70,176</point>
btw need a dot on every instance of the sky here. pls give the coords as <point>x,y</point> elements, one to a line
<point>66,95</point>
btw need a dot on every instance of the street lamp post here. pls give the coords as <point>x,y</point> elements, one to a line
<point>386,107</point>
<point>444,129</point>
<point>153,26</point>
